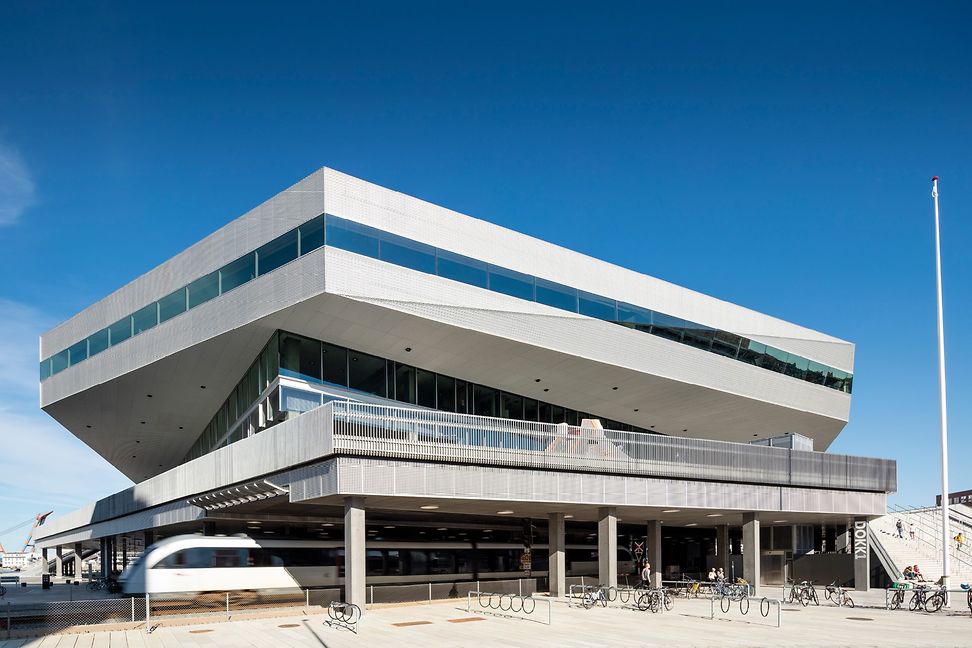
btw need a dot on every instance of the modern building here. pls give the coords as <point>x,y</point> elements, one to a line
<point>351,364</point>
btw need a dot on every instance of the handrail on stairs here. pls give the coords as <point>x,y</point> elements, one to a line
<point>933,531</point>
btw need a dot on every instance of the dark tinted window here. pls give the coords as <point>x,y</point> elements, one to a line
<point>120,330</point>
<point>446,393</point>
<point>202,290</point>
<point>425,386</point>
<point>97,342</point>
<point>508,282</point>
<point>484,400</point>
<point>236,273</point>
<point>367,373</point>
<point>352,237</point>
<point>511,406</point>
<point>78,352</point>
<point>300,356</point>
<point>634,317</point>
<point>311,235</point>
<point>410,254</point>
<point>556,295</point>
<point>335,364</point>
<point>277,252</point>
<point>461,268</point>
<point>404,383</point>
<point>145,318</point>
<point>172,305</point>
<point>596,306</point>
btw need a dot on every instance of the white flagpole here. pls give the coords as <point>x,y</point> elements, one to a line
<point>943,414</point>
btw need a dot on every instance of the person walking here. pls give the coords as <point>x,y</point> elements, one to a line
<point>911,530</point>
<point>646,575</point>
<point>959,541</point>
<point>900,527</point>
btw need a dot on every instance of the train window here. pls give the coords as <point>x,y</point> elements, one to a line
<point>376,563</point>
<point>229,558</point>
<point>393,563</point>
<point>442,562</point>
<point>417,563</point>
<point>464,562</point>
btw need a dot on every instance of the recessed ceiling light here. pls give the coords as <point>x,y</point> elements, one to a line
<point>536,380</point>
<point>327,524</point>
<point>778,521</point>
<point>504,512</point>
<point>269,532</point>
<point>408,349</point>
<point>254,522</point>
<point>568,516</point>
<point>442,529</point>
<point>180,427</point>
<point>421,532</point>
<point>148,395</point>
<point>614,389</point>
<point>691,524</point>
<point>202,386</point>
<point>429,507</point>
<point>636,409</point>
<point>713,515</point>
<point>88,426</point>
<point>487,530</point>
<point>389,527</point>
<point>671,510</point>
<point>142,422</point>
<point>685,430</point>
<point>546,389</point>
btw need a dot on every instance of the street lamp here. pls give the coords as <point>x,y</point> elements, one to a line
<point>943,413</point>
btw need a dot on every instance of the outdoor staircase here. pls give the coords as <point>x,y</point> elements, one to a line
<point>925,550</point>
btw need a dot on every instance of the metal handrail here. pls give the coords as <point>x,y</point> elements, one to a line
<point>935,533</point>
<point>368,429</point>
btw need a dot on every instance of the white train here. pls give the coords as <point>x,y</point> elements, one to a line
<point>195,563</point>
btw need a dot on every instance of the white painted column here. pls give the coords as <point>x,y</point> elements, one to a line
<point>78,566</point>
<point>59,561</point>
<point>558,558</point>
<point>654,551</point>
<point>751,550</point>
<point>607,546</point>
<point>354,551</point>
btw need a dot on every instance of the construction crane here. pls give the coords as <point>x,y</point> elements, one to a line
<point>39,521</point>
<point>15,527</point>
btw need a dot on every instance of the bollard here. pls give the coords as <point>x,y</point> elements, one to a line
<point>519,586</point>
<point>133,609</point>
<point>430,593</point>
<point>372,594</point>
<point>227,605</point>
<point>307,599</point>
<point>148,614</point>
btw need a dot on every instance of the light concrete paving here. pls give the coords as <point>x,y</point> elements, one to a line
<point>687,625</point>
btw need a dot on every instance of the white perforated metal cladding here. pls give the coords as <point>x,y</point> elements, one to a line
<point>361,201</point>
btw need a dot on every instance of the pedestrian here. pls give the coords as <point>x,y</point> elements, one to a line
<point>917,573</point>
<point>721,575</point>
<point>646,574</point>
<point>900,528</point>
<point>712,574</point>
<point>959,541</point>
<point>911,530</point>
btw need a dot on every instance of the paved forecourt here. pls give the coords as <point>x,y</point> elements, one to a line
<point>449,624</point>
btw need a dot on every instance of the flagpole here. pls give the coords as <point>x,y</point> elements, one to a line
<point>943,413</point>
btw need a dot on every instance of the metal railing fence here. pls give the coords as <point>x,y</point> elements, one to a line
<point>366,429</point>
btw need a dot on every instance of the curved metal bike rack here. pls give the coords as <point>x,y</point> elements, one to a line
<point>344,615</point>
<point>765,603</point>
<point>498,604</point>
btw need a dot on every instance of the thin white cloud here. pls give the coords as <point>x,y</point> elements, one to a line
<point>17,190</point>
<point>42,466</point>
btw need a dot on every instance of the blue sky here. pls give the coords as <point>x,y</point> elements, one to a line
<point>776,155</point>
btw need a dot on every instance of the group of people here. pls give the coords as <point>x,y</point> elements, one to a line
<point>900,527</point>
<point>913,573</point>
<point>717,575</point>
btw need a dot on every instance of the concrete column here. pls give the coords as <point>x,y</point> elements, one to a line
<point>124,563</point>
<point>722,546</point>
<point>751,549</point>
<point>607,546</point>
<point>59,560</point>
<point>558,559</point>
<point>354,551</point>
<point>45,569</point>
<point>654,551</point>
<point>105,556</point>
<point>78,566</point>
<point>862,555</point>
<point>148,538</point>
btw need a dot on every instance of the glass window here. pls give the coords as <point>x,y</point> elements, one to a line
<point>509,282</point>
<point>726,344</point>
<point>335,364</point>
<point>97,342</point>
<point>511,406</point>
<point>530,409</point>
<point>145,318</point>
<point>202,290</point>
<point>668,327</point>
<point>484,401</point>
<point>463,269</point>
<point>596,306</point>
<point>404,383</point>
<point>698,336</point>
<point>406,253</point>
<point>45,369</point>
<point>417,563</point>
<point>172,304</point>
<point>59,362</point>
<point>816,373</point>
<point>557,414</point>
<point>300,357</point>
<point>462,397</point>
<point>236,273</point>
<point>572,417</point>
<point>446,393</point>
<point>778,359</point>
<point>634,317</point>
<point>352,236</point>
<point>798,367</point>
<point>295,400</point>
<point>751,352</point>
<point>277,252</point>
<point>546,412</point>
<point>425,385</point>
<point>556,295</point>
<point>311,235</point>
<point>120,330</point>
<point>78,352</point>
<point>366,373</point>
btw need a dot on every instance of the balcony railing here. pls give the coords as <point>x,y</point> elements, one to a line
<point>364,429</point>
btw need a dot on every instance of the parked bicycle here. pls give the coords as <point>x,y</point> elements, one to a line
<point>598,594</point>
<point>838,595</point>
<point>803,593</point>
<point>924,598</point>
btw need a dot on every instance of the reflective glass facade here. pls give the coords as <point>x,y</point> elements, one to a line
<point>368,241</point>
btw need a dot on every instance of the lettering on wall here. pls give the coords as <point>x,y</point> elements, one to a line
<point>860,540</point>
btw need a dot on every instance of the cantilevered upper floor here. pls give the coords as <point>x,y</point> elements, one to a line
<point>140,375</point>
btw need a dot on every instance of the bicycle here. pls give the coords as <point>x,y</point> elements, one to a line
<point>597,594</point>
<point>934,602</point>
<point>924,599</point>
<point>838,595</point>
<point>651,600</point>
<point>896,600</point>
<point>97,583</point>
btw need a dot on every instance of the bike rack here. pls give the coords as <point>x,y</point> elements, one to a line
<point>626,596</point>
<point>744,606</point>
<point>515,604</point>
<point>931,590</point>
<point>343,615</point>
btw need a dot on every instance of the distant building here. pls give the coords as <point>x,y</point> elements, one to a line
<point>960,497</point>
<point>17,559</point>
